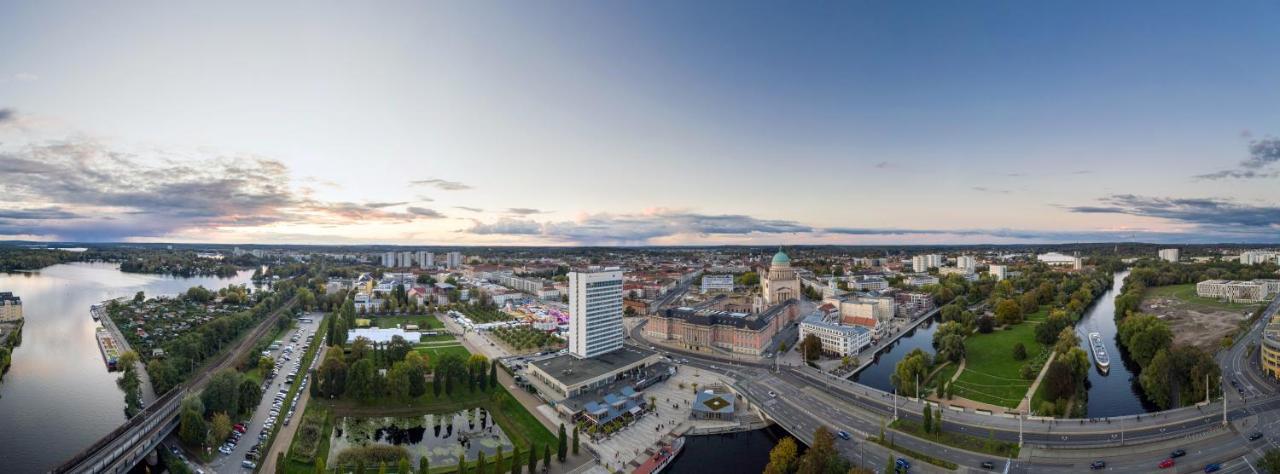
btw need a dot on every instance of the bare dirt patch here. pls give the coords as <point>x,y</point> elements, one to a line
<point>1194,324</point>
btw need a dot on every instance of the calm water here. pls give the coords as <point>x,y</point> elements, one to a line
<point>877,374</point>
<point>1113,394</point>
<point>58,396</point>
<point>442,438</point>
<point>1116,393</point>
<point>746,452</point>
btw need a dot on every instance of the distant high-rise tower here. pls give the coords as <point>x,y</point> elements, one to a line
<point>389,259</point>
<point>426,259</point>
<point>454,260</point>
<point>595,312</point>
<point>1169,255</point>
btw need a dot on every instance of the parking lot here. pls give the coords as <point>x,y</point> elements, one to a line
<point>235,457</point>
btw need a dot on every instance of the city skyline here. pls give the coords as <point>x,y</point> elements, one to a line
<point>640,124</point>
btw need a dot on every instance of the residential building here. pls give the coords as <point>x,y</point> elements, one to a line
<point>1059,260</point>
<point>595,312</point>
<point>454,260</point>
<point>999,272</point>
<point>717,283</point>
<point>921,280</point>
<point>10,307</point>
<point>426,259</point>
<point>1169,255</point>
<point>1255,257</point>
<point>406,259</point>
<point>1233,291</point>
<point>868,284</point>
<point>967,264</point>
<point>389,259</point>
<point>837,339</point>
<point>922,263</point>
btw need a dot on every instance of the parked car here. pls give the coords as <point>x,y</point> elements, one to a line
<point>1099,464</point>
<point>902,465</point>
<point>1167,463</point>
<point>1213,467</point>
<point>844,435</point>
<point>1177,453</point>
<point>988,465</point>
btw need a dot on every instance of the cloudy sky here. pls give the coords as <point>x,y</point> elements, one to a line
<point>655,122</point>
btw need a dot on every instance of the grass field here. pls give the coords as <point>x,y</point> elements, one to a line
<point>433,353</point>
<point>1186,294</point>
<point>991,375</point>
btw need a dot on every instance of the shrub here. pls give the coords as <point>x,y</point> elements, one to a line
<point>1019,352</point>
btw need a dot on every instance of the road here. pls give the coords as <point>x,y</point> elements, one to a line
<point>227,464</point>
<point>807,398</point>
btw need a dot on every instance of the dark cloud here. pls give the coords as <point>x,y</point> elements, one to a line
<point>37,214</point>
<point>6,115</point>
<point>638,228</point>
<point>883,165</point>
<point>117,194</point>
<point>524,211</point>
<point>441,184</point>
<point>424,212</point>
<point>990,190</point>
<point>1213,212</point>
<point>1262,154</point>
<point>472,209</point>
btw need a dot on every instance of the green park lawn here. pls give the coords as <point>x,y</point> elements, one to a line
<point>434,352</point>
<point>1186,294</point>
<point>991,374</point>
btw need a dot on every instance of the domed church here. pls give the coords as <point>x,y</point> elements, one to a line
<point>780,283</point>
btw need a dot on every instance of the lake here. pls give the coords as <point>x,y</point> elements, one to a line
<point>58,396</point>
<point>440,437</point>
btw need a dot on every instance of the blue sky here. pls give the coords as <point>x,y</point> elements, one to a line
<point>640,122</point>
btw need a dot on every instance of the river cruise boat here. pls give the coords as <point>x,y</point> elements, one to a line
<point>1099,351</point>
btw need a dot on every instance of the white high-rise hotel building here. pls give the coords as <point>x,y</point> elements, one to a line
<point>595,312</point>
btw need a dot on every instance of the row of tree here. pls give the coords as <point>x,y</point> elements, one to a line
<point>821,458</point>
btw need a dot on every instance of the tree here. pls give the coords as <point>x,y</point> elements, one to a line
<point>222,394</point>
<point>937,421</point>
<point>319,465</point>
<point>533,458</point>
<point>265,364</point>
<point>1270,461</point>
<point>822,457</point>
<point>250,393</point>
<point>398,348</point>
<point>280,463</point>
<point>462,464</point>
<point>1008,312</point>
<point>192,427</point>
<point>811,347</point>
<point>562,449</point>
<point>1067,340</point>
<point>1019,351</point>
<point>480,463</point>
<point>546,457</point>
<point>783,458</point>
<point>515,459</point>
<point>220,426</point>
<point>928,419</point>
<point>1144,335</point>
<point>139,297</point>
<point>747,279</point>
<point>398,380</point>
<point>952,347</point>
<point>416,367</point>
<point>911,369</point>
<point>424,465</point>
<point>575,440</point>
<point>497,461</point>
<point>1155,379</point>
<point>362,381</point>
<point>493,377</point>
<point>332,376</point>
<point>986,324</point>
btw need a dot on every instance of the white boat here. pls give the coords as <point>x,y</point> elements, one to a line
<point>1099,351</point>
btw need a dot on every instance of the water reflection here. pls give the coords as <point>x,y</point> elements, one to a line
<point>468,432</point>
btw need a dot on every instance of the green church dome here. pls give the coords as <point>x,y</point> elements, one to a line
<point>781,258</point>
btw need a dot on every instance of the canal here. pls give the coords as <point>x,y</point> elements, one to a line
<point>731,452</point>
<point>58,396</point>
<point>1112,394</point>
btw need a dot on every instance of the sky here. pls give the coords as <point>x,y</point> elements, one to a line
<point>640,123</point>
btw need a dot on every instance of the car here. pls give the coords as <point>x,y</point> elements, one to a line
<point>713,367</point>
<point>1177,453</point>
<point>248,465</point>
<point>901,464</point>
<point>1256,435</point>
<point>988,465</point>
<point>1099,464</point>
<point>1167,463</point>
<point>844,435</point>
<point>1212,467</point>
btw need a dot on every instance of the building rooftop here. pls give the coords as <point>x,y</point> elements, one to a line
<point>708,401</point>
<point>709,317</point>
<point>570,370</point>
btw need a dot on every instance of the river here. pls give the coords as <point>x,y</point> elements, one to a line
<point>1112,394</point>
<point>58,396</point>
<point>733,452</point>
